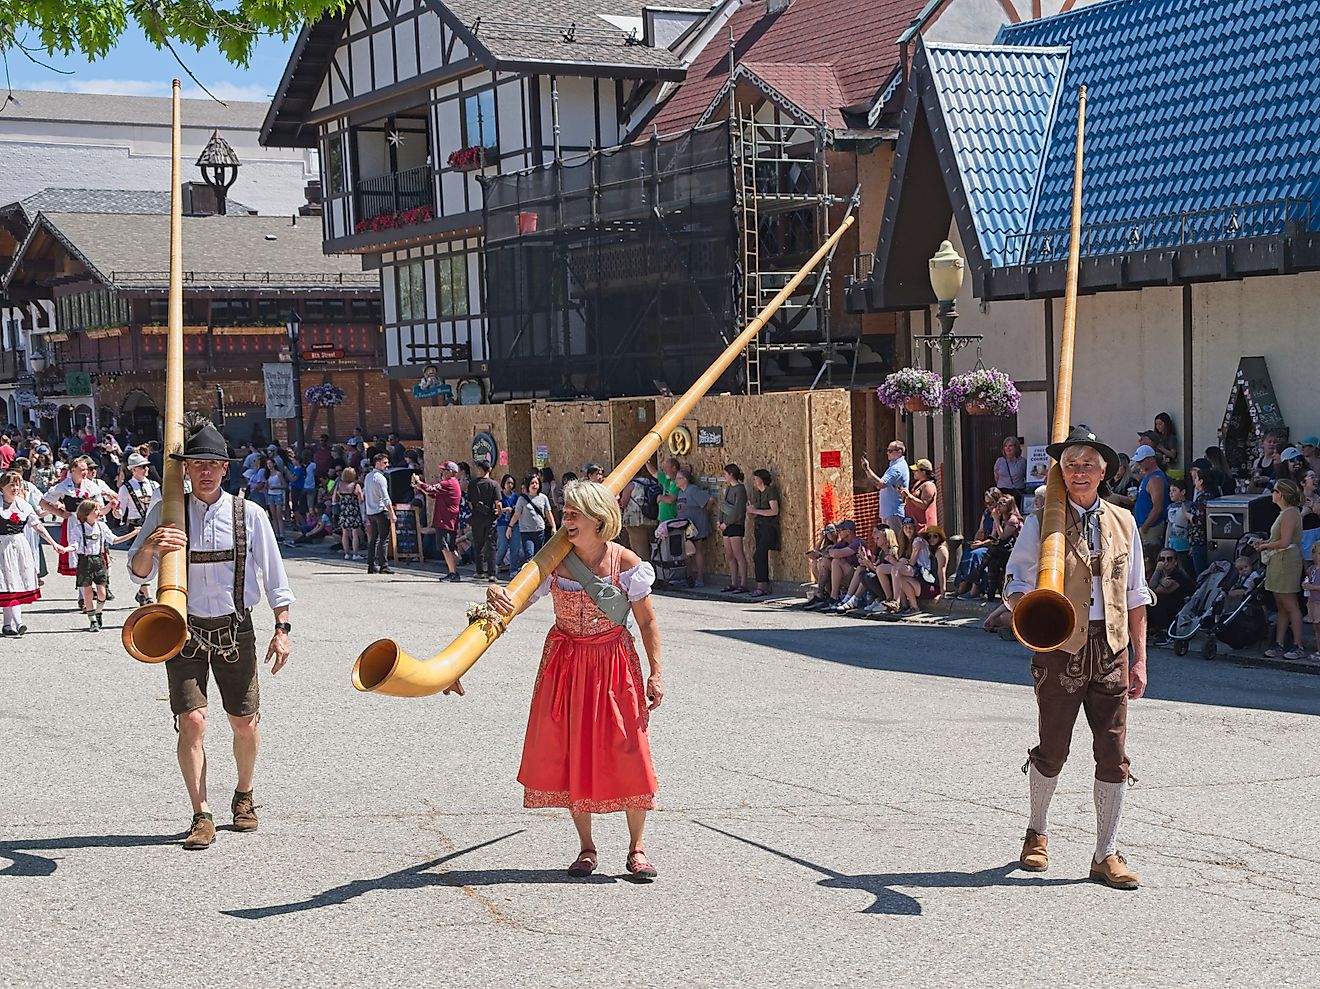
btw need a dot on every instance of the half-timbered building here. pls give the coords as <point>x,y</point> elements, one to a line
<point>413,103</point>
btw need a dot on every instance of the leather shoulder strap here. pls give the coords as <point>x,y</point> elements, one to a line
<point>240,551</point>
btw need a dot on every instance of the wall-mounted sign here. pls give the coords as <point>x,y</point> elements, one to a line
<point>680,441</point>
<point>485,448</point>
<point>323,352</point>
<point>831,458</point>
<point>77,383</point>
<point>710,436</point>
<point>431,386</point>
<point>542,456</point>
<point>504,458</point>
<point>278,379</point>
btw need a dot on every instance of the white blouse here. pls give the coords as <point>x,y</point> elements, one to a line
<point>635,581</point>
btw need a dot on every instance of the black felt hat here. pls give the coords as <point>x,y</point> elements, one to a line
<point>1082,436</point>
<point>204,441</point>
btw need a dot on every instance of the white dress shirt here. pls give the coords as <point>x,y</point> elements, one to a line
<point>376,493</point>
<point>88,540</point>
<point>89,489</point>
<point>211,585</point>
<point>1024,565</point>
<point>128,507</point>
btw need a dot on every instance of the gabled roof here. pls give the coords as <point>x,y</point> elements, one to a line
<point>1201,129</point>
<point>858,42</point>
<point>568,37</point>
<point>132,251</point>
<point>1192,105</point>
<point>997,110</point>
<point>811,88</point>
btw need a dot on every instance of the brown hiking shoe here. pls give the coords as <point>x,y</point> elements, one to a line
<point>1035,855</point>
<point>245,812</point>
<point>201,833</point>
<point>1114,873</point>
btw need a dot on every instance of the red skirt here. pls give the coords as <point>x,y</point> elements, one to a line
<point>10,598</point>
<point>587,746</point>
<point>64,567</point>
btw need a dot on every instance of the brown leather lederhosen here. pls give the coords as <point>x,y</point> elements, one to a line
<point>219,636</point>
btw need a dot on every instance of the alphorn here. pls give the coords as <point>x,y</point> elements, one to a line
<point>1044,619</point>
<point>156,632</point>
<point>383,667</point>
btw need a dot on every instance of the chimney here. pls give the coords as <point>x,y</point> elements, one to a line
<point>773,7</point>
<point>313,206</point>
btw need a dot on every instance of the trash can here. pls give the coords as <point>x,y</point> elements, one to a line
<point>1231,517</point>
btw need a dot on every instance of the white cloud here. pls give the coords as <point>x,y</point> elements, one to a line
<point>226,91</point>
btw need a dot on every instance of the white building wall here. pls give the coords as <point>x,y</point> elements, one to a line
<point>39,154</point>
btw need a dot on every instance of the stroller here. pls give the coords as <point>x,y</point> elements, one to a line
<point>669,552</point>
<point>1236,623</point>
<point>1198,611</point>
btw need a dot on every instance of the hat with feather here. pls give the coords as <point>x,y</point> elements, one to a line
<point>202,441</point>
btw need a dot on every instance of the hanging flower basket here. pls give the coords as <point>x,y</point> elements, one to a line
<point>912,389</point>
<point>393,221</point>
<point>45,410</point>
<point>324,395</point>
<point>982,391</point>
<point>468,159</point>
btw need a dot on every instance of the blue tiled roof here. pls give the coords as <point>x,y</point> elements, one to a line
<point>1194,107</point>
<point>998,106</point>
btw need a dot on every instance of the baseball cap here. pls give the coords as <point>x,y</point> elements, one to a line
<point>449,465</point>
<point>848,524</point>
<point>923,464</point>
<point>909,520</point>
<point>1143,452</point>
<point>1310,441</point>
<point>352,441</point>
<point>1292,453</point>
<point>272,447</point>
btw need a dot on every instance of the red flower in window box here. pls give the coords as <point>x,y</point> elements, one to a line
<point>392,221</point>
<point>468,159</point>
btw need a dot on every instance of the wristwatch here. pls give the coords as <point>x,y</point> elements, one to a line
<point>284,627</point>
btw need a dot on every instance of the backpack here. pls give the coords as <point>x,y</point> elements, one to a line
<point>650,500</point>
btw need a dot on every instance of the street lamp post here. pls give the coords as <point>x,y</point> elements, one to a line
<point>946,278</point>
<point>294,326</point>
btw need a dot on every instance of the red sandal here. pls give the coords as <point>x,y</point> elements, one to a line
<point>584,865</point>
<point>639,867</point>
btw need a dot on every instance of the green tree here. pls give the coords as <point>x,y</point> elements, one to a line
<point>93,27</point>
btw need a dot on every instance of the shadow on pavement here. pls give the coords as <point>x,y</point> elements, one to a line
<point>413,877</point>
<point>888,900</point>
<point>947,652</point>
<point>24,863</point>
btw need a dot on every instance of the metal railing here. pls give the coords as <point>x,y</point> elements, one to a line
<point>1207,226</point>
<point>281,279</point>
<point>396,192</point>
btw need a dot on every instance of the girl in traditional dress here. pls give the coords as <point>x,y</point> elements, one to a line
<point>587,746</point>
<point>18,566</point>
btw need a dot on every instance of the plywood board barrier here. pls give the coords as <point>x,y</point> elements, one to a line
<point>448,432</point>
<point>569,435</point>
<point>790,434</point>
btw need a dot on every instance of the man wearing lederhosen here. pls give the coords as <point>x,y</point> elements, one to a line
<point>136,496</point>
<point>1104,579</point>
<point>232,558</point>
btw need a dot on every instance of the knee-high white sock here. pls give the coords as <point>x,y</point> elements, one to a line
<point>1108,813</point>
<point>11,616</point>
<point>1042,792</point>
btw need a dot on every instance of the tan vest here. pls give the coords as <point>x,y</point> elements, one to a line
<point>1116,525</point>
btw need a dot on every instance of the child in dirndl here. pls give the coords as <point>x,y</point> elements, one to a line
<point>18,565</point>
<point>89,538</point>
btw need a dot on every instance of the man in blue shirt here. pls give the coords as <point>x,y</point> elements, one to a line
<point>895,478</point>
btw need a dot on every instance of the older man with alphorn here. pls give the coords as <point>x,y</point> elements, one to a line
<point>1104,578</point>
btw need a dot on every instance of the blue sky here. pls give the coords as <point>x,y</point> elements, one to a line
<point>136,68</point>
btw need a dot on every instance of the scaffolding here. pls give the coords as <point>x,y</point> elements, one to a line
<point>627,271</point>
<point>612,274</point>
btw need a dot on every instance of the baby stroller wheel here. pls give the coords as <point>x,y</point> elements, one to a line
<point>1180,647</point>
<point>1210,649</point>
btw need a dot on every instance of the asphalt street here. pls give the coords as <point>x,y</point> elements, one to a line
<point>842,804</point>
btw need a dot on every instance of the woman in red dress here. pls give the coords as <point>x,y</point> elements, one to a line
<point>587,747</point>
